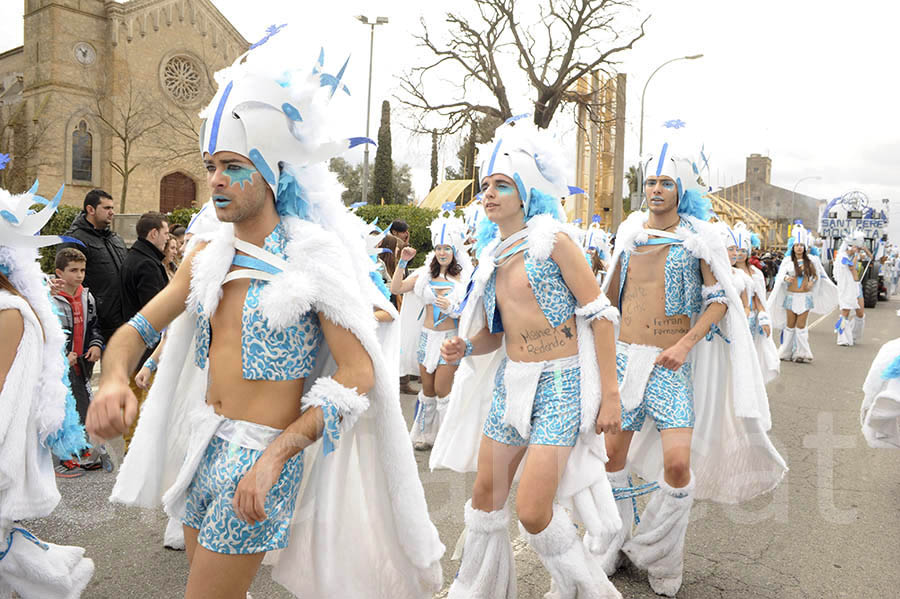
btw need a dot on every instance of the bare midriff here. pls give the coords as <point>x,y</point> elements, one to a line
<point>643,303</point>
<point>529,336</point>
<point>447,324</point>
<point>272,403</point>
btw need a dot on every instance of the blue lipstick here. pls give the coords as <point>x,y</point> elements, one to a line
<point>221,201</point>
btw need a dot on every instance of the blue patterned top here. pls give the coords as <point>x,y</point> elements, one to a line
<point>684,282</point>
<point>549,288</point>
<point>267,354</point>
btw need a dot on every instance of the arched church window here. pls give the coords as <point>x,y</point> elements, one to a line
<point>82,153</point>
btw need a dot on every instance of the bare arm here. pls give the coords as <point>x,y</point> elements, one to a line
<point>400,285</point>
<point>581,282</point>
<point>12,327</point>
<point>115,407</point>
<point>612,289</point>
<point>354,371</point>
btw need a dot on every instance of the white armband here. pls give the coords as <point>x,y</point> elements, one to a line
<point>599,308</point>
<point>341,407</point>
<point>763,319</point>
<point>713,294</point>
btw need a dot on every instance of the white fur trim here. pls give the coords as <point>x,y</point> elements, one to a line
<point>599,308</point>
<point>327,391</point>
<point>570,565</point>
<point>488,568</point>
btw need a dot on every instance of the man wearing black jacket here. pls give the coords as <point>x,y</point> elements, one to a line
<point>105,253</point>
<point>143,276</point>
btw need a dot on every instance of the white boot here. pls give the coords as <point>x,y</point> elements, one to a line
<point>425,425</point>
<point>173,538</point>
<point>609,550</point>
<point>844,329</point>
<point>858,326</point>
<point>442,404</point>
<point>575,573</point>
<point>658,542</point>
<point>488,568</point>
<point>786,351</point>
<point>803,352</point>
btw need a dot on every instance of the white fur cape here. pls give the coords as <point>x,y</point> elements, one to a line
<point>824,292</point>
<point>732,457</point>
<point>847,286</point>
<point>361,526</point>
<point>765,344</point>
<point>584,486</point>
<point>880,411</point>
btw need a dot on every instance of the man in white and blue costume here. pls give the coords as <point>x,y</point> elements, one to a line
<point>538,377</point>
<point>684,350</point>
<point>274,421</point>
<point>852,321</point>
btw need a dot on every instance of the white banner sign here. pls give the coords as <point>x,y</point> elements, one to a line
<point>843,227</point>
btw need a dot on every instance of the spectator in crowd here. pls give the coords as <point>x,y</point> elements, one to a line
<point>400,230</point>
<point>389,259</point>
<point>78,314</point>
<point>105,252</point>
<point>178,232</point>
<point>143,276</point>
<point>171,257</point>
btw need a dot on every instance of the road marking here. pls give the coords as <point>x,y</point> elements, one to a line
<point>820,320</point>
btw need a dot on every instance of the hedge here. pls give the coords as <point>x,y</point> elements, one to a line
<point>57,225</point>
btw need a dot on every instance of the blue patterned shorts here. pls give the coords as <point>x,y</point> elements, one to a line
<point>668,397</point>
<point>798,303</point>
<point>210,495</point>
<point>555,416</point>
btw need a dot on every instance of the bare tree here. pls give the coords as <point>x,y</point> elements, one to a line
<point>571,39</point>
<point>24,137</point>
<point>127,115</point>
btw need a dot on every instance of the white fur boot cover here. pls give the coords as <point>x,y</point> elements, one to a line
<point>424,428</point>
<point>609,550</point>
<point>57,572</point>
<point>173,538</point>
<point>786,351</point>
<point>803,352</point>
<point>845,331</point>
<point>442,404</point>
<point>858,326</point>
<point>488,568</point>
<point>658,542</point>
<point>576,575</point>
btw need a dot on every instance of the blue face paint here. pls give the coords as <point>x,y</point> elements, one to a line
<point>239,174</point>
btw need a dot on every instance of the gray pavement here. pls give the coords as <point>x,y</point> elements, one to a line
<point>832,529</point>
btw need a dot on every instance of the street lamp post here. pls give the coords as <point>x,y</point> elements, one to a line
<point>365,21</point>
<point>794,189</point>
<point>643,93</point>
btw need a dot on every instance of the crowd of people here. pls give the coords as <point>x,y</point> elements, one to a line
<point>266,367</point>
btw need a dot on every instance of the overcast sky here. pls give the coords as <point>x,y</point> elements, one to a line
<point>810,83</point>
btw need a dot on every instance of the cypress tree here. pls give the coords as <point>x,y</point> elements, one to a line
<point>434,159</point>
<point>382,179</point>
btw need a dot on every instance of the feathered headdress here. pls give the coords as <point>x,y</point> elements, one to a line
<point>799,234</point>
<point>447,229</point>
<point>276,117</point>
<point>686,174</point>
<point>744,238</point>
<point>595,238</point>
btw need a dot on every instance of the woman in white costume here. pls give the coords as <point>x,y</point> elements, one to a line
<point>596,245</point>
<point>760,323</point>
<point>439,286</point>
<point>742,281</point>
<point>850,325</point>
<point>38,415</point>
<point>801,286</point>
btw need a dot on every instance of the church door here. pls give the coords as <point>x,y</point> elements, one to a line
<point>176,191</point>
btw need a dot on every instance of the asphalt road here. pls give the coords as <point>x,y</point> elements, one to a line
<point>832,529</point>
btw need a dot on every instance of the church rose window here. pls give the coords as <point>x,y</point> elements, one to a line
<point>82,153</point>
<point>181,78</point>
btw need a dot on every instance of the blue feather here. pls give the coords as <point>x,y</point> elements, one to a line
<point>893,369</point>
<point>356,141</point>
<point>693,203</point>
<point>69,440</point>
<point>484,235</point>
<point>291,198</point>
<point>379,282</point>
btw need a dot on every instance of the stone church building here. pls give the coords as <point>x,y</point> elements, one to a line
<point>101,90</point>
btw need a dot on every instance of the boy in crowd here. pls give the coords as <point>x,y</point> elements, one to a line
<point>78,313</point>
